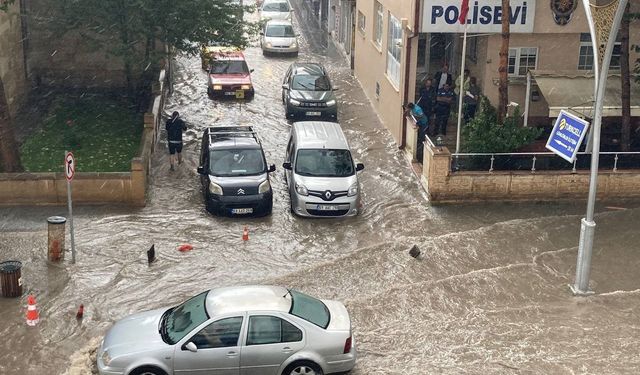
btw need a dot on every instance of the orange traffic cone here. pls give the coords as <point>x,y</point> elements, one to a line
<point>32,311</point>
<point>245,234</point>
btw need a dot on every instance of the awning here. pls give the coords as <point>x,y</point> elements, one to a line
<point>575,91</point>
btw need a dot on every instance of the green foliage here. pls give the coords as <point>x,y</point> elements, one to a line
<point>483,134</point>
<point>103,133</point>
<point>4,4</point>
<point>136,30</point>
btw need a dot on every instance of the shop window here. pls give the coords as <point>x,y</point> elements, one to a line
<point>394,50</point>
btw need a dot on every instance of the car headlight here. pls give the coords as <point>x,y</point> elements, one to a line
<point>301,189</point>
<point>294,102</point>
<point>217,87</point>
<point>246,87</point>
<point>294,44</point>
<point>215,188</point>
<point>331,103</point>
<point>106,359</point>
<point>264,187</point>
<point>353,190</point>
<point>269,45</point>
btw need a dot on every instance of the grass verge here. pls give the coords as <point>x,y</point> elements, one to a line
<point>102,132</point>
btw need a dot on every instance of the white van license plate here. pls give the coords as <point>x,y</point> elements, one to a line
<point>326,207</point>
<point>314,113</point>
<point>238,211</point>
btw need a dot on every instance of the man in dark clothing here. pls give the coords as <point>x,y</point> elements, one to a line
<point>427,99</point>
<point>443,77</point>
<point>175,126</point>
<point>444,98</point>
<point>471,96</point>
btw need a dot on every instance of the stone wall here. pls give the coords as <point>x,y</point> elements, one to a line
<point>12,69</point>
<point>443,186</point>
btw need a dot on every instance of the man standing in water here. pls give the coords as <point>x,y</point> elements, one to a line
<point>175,126</point>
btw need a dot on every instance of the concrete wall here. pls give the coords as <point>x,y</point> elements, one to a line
<point>12,71</point>
<point>127,188</point>
<point>67,60</point>
<point>371,61</point>
<point>443,186</point>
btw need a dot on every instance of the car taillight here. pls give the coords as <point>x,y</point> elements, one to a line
<point>347,345</point>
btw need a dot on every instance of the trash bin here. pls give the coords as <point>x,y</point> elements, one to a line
<point>10,278</point>
<point>55,252</point>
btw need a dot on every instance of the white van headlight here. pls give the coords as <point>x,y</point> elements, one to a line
<point>301,189</point>
<point>294,102</point>
<point>353,190</point>
<point>264,187</point>
<point>215,188</point>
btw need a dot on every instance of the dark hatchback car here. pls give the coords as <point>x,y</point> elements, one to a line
<point>234,172</point>
<point>307,93</point>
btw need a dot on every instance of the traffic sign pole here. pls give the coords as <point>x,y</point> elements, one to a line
<point>69,169</point>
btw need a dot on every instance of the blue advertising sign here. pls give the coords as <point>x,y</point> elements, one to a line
<point>567,135</point>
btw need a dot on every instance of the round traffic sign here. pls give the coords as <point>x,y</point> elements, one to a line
<point>69,166</point>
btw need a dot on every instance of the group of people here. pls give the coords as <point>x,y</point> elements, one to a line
<point>433,108</point>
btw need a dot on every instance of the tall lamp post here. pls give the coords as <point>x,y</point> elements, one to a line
<point>603,26</point>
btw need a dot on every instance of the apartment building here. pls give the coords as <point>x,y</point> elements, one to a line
<point>399,43</point>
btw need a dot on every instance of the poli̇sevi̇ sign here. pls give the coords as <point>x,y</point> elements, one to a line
<point>485,16</point>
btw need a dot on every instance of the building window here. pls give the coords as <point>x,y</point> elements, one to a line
<point>585,57</point>
<point>379,16</point>
<point>362,21</point>
<point>394,50</point>
<point>521,60</point>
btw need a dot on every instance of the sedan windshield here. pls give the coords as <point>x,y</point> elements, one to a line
<point>236,162</point>
<point>324,163</point>
<point>280,31</point>
<point>306,82</point>
<point>229,67</point>
<point>309,308</point>
<point>275,7</point>
<point>178,321</point>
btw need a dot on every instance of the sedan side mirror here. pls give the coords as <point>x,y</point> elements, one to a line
<point>285,86</point>
<point>286,166</point>
<point>191,347</point>
<point>272,168</point>
<point>201,170</point>
<point>336,88</point>
<point>359,167</point>
<point>261,33</point>
<point>251,70</point>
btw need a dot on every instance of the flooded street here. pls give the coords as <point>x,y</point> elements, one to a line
<point>488,295</point>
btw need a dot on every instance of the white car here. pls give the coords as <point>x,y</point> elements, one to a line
<point>252,330</point>
<point>276,10</point>
<point>278,37</point>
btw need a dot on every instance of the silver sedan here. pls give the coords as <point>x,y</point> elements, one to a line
<point>278,37</point>
<point>247,330</point>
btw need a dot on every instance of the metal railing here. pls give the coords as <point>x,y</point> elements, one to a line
<point>534,161</point>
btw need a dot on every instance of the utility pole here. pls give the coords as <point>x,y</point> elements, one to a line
<point>598,29</point>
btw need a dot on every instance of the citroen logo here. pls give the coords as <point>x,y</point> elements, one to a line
<point>327,194</point>
<point>240,192</point>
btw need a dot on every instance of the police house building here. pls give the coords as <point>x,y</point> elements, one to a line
<point>400,43</point>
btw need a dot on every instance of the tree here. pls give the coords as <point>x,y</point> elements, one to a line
<point>132,29</point>
<point>9,152</point>
<point>503,70</point>
<point>625,77</point>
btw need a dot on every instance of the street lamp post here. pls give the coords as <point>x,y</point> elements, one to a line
<point>588,226</point>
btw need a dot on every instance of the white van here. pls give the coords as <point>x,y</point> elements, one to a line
<point>320,173</point>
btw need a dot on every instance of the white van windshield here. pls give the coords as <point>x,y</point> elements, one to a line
<point>324,163</point>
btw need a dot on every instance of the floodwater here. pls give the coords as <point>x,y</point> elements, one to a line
<point>488,294</point>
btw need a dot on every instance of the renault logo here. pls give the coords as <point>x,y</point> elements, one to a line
<point>240,192</point>
<point>327,194</point>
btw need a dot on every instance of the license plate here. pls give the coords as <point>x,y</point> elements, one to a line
<point>326,207</point>
<point>238,211</point>
<point>313,113</point>
<point>230,93</point>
